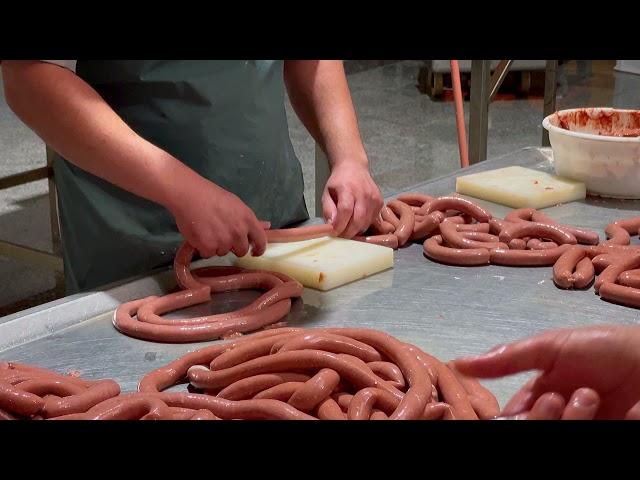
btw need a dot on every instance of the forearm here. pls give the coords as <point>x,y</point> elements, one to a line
<point>319,93</point>
<point>76,122</point>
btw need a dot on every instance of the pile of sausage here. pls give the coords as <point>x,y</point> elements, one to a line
<point>616,262</point>
<point>32,392</point>
<point>456,231</point>
<point>286,374</point>
<point>142,318</point>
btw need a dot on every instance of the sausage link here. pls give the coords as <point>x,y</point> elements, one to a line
<point>517,244</point>
<point>478,236</point>
<point>586,237</point>
<point>631,225</point>
<point>460,204</point>
<point>540,230</point>
<point>427,225</point>
<point>616,235</point>
<point>474,227</point>
<point>537,244</point>
<point>527,258</point>
<point>389,216</point>
<point>299,234</point>
<point>520,215</point>
<point>620,294</point>
<point>584,274</point>
<point>450,235</point>
<point>617,266</point>
<point>496,225</point>
<point>407,220</point>
<point>630,278</point>
<point>434,249</point>
<point>389,240</point>
<point>566,273</point>
<point>415,199</point>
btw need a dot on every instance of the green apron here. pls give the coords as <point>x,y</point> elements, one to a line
<point>224,119</point>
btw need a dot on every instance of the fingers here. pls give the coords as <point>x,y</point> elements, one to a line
<point>329,209</point>
<point>522,401</point>
<point>345,206</point>
<point>536,353</point>
<point>359,222</point>
<point>583,405</point>
<point>257,238</point>
<point>204,251</point>
<point>241,246</point>
<point>549,406</point>
<point>237,238</point>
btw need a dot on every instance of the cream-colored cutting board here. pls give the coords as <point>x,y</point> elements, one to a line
<point>322,263</point>
<point>519,187</point>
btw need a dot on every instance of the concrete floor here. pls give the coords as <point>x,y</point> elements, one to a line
<point>408,137</point>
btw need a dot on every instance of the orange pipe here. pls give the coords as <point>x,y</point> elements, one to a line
<point>457,97</point>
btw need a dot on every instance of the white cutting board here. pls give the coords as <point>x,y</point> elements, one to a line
<point>322,263</point>
<point>519,187</point>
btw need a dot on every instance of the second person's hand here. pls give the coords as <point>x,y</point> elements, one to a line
<point>605,359</point>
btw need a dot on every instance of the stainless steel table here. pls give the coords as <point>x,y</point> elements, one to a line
<point>447,311</point>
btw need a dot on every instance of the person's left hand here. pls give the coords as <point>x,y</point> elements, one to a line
<point>351,199</point>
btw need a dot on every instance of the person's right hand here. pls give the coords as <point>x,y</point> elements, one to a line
<point>216,222</point>
<point>583,405</point>
<point>605,359</point>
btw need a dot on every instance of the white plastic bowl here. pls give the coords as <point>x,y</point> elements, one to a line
<point>586,148</point>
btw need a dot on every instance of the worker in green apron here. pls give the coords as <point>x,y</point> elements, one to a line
<point>153,152</point>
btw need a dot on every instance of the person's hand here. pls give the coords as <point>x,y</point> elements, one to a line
<point>216,222</point>
<point>605,359</point>
<point>583,405</point>
<point>351,199</point>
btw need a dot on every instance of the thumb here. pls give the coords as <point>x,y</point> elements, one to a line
<point>536,353</point>
<point>329,209</point>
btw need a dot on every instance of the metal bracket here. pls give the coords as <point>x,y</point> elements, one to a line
<point>550,87</point>
<point>24,177</point>
<point>499,74</point>
<point>484,87</point>
<point>31,255</point>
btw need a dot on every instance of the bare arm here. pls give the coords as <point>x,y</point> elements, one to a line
<point>75,121</point>
<point>320,95</point>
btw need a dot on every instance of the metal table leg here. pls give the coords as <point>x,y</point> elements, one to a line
<point>54,219</point>
<point>479,110</point>
<point>550,87</point>
<point>484,86</point>
<point>27,254</point>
